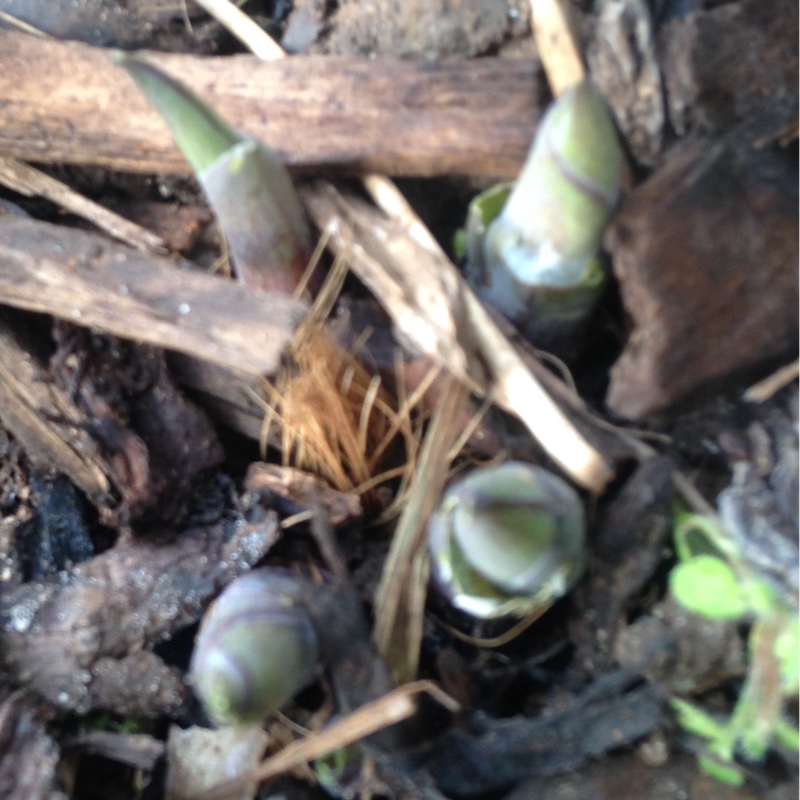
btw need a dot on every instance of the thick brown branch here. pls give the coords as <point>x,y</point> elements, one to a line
<point>67,103</point>
<point>89,280</point>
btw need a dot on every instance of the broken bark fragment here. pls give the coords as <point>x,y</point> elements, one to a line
<point>28,754</point>
<point>734,64</point>
<point>759,510</point>
<point>86,279</point>
<point>154,442</point>
<point>198,759</point>
<point>71,639</point>
<point>229,396</point>
<point>179,226</point>
<point>301,492</point>
<point>101,22</point>
<point>44,421</point>
<point>108,416</point>
<point>706,255</point>
<point>138,750</point>
<point>624,65</point>
<point>627,547</point>
<point>504,752</point>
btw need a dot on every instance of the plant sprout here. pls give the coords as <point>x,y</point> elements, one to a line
<point>711,579</point>
<point>255,649</point>
<point>245,183</point>
<point>532,248</point>
<point>507,540</point>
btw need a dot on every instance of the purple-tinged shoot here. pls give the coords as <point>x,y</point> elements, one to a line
<point>246,184</point>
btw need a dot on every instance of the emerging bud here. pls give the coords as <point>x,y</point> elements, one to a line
<point>536,260</point>
<point>507,541</point>
<point>245,183</point>
<point>255,650</point>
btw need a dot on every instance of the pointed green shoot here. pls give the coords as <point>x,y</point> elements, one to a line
<point>200,133</point>
<point>245,183</point>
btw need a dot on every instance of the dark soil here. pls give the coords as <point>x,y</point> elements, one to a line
<point>103,581</point>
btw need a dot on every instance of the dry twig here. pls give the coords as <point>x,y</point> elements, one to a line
<point>32,182</point>
<point>390,709</point>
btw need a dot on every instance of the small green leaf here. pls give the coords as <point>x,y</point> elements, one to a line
<point>694,720</point>
<point>760,598</point>
<point>708,586</point>
<point>490,203</point>
<point>729,774</point>
<point>787,735</point>
<point>696,534</point>
<point>787,651</point>
<point>483,209</point>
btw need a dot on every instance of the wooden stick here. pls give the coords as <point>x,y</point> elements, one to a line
<point>557,43</point>
<point>67,103</point>
<point>32,182</point>
<point>87,279</point>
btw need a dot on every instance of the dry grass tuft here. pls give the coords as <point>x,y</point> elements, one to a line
<point>331,416</point>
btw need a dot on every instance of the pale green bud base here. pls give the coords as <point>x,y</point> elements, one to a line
<point>552,310</point>
<point>507,541</point>
<point>532,247</point>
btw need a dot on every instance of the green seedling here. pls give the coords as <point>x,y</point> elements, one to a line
<point>532,247</point>
<point>712,580</point>
<point>255,650</point>
<point>246,184</point>
<point>507,541</point>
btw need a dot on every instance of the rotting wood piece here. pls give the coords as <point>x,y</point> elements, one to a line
<point>705,252</point>
<point>732,64</point>
<point>46,424</point>
<point>71,640</point>
<point>88,280</point>
<point>155,444</point>
<point>67,103</point>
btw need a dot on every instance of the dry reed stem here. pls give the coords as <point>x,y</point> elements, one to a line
<point>767,387</point>
<point>394,707</point>
<point>400,599</point>
<point>557,44</point>
<point>331,415</point>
